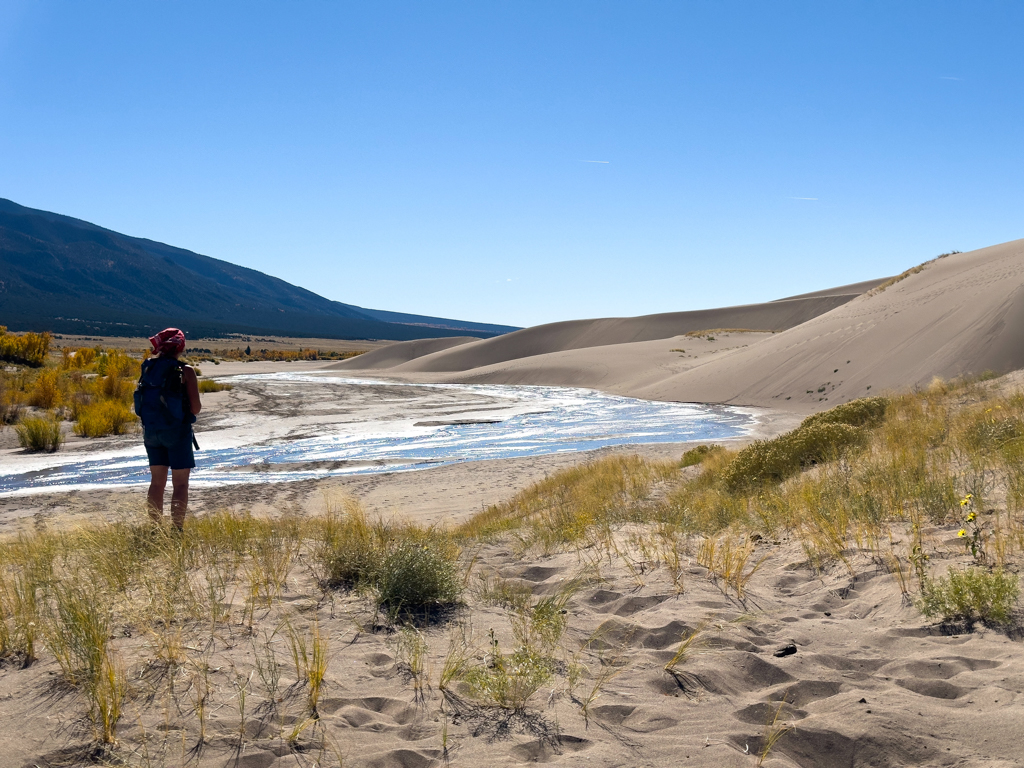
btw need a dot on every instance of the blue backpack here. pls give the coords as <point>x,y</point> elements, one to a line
<point>161,400</point>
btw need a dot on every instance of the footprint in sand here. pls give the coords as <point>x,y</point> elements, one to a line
<point>763,712</point>
<point>405,758</point>
<point>539,573</point>
<point>627,606</point>
<point>803,692</point>
<point>636,719</point>
<point>546,750</point>
<point>603,597</point>
<point>936,689</point>
<point>733,672</point>
<point>374,713</point>
<point>256,760</point>
<point>615,632</point>
<point>939,669</point>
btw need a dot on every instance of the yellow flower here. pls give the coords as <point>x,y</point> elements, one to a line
<point>961,533</point>
<point>971,517</point>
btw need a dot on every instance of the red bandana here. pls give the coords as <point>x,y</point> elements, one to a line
<point>170,341</point>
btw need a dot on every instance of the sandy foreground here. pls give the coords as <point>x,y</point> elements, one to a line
<point>858,675</point>
<point>855,674</point>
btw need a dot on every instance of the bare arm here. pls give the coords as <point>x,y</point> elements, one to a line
<point>188,375</point>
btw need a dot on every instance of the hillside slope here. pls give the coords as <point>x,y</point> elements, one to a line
<point>63,274</point>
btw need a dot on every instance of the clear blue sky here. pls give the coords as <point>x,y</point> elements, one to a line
<point>438,158</point>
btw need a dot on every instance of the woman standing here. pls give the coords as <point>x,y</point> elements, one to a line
<point>167,401</point>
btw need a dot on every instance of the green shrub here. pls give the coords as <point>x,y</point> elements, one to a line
<point>107,417</point>
<point>866,412</point>
<point>405,567</point>
<point>989,434</point>
<point>208,385</point>
<point>416,575</point>
<point>40,434</point>
<point>508,681</point>
<point>765,461</point>
<point>970,595</point>
<point>349,547</point>
<point>697,455</point>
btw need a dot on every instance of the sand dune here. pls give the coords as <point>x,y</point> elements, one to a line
<point>579,334</point>
<point>958,315</point>
<point>402,352</point>
<point>961,314</point>
<point>621,369</point>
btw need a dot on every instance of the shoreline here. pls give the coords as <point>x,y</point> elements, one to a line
<point>429,494</point>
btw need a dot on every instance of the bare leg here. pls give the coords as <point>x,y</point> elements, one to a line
<point>179,496</point>
<point>155,498</point>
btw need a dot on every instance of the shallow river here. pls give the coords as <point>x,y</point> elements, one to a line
<point>297,426</point>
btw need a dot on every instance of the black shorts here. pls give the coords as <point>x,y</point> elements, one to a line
<point>169,448</point>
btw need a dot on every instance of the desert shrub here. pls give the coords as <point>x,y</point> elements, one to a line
<point>28,348</point>
<point>114,362</point>
<point>78,359</point>
<point>106,417</point>
<point>114,386</point>
<point>697,455</point>
<point>40,434</point>
<point>508,681</point>
<point>972,594</point>
<point>987,434</point>
<point>403,566</point>
<point>866,412</point>
<point>904,275</point>
<point>765,461</point>
<point>10,399</point>
<point>348,547</point>
<point>46,390</point>
<point>208,385</point>
<point>417,575</point>
<point>288,355</point>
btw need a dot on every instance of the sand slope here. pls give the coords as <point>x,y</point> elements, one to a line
<point>401,352</point>
<point>578,334</point>
<point>961,314</point>
<point>621,369</point>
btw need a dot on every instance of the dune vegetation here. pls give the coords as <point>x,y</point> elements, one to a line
<point>27,348</point>
<point>244,615</point>
<point>90,387</point>
<point>277,355</point>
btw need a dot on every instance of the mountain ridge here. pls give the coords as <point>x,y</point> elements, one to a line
<point>67,275</point>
